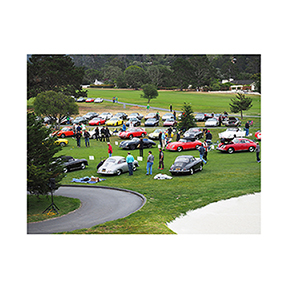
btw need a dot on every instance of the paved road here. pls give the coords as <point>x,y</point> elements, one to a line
<point>98,205</point>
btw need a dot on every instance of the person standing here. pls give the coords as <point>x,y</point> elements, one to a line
<point>110,151</point>
<point>163,140</point>
<point>150,161</point>
<point>86,137</point>
<point>130,161</point>
<point>78,138</point>
<point>247,128</point>
<point>160,138</point>
<point>205,145</point>
<point>148,107</point>
<point>107,134</point>
<point>178,136</point>
<point>141,145</point>
<point>202,151</point>
<point>102,134</point>
<point>258,152</point>
<point>170,107</point>
<point>161,159</point>
<point>97,133</point>
<point>124,127</point>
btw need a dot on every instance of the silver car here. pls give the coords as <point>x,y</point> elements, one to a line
<point>116,165</point>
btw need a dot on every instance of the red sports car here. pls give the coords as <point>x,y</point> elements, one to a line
<point>170,122</point>
<point>97,121</point>
<point>184,144</point>
<point>237,144</point>
<point>64,132</point>
<point>258,135</point>
<point>89,100</point>
<point>133,132</point>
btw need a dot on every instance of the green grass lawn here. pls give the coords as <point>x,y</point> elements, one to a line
<point>224,176</point>
<point>201,102</point>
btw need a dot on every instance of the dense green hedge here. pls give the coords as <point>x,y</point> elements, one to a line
<point>102,86</point>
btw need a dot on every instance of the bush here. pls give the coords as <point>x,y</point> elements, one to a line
<point>102,86</point>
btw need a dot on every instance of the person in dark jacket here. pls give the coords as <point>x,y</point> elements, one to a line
<point>247,126</point>
<point>258,152</point>
<point>102,134</point>
<point>78,138</point>
<point>140,145</point>
<point>107,134</point>
<point>202,152</point>
<point>87,136</point>
<point>97,133</point>
<point>178,136</point>
<point>161,159</point>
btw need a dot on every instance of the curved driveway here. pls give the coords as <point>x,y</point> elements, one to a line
<point>98,205</point>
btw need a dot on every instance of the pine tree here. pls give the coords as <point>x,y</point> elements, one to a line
<point>240,103</point>
<point>187,118</point>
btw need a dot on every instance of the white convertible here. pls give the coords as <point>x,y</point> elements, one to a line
<point>235,132</point>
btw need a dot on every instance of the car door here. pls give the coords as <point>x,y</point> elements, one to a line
<point>237,145</point>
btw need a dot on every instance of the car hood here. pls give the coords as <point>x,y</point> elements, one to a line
<point>180,165</point>
<point>123,143</point>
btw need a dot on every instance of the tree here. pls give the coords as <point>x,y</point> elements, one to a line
<point>41,161</point>
<point>54,72</point>
<point>182,72</point>
<point>135,76</point>
<point>150,92</point>
<point>55,105</point>
<point>187,118</point>
<point>154,75</point>
<point>240,103</point>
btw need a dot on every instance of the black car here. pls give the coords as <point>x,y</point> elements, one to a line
<point>81,99</point>
<point>70,163</point>
<point>90,115</point>
<point>133,143</point>
<point>152,122</point>
<point>135,122</point>
<point>200,117</point>
<point>193,133</point>
<point>121,115</point>
<point>80,120</point>
<point>186,164</point>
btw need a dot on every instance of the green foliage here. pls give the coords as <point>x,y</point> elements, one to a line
<point>150,92</point>
<point>187,119</point>
<point>134,76</point>
<point>41,163</point>
<point>53,72</point>
<point>55,105</point>
<point>240,104</point>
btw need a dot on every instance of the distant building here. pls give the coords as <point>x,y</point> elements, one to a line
<point>243,85</point>
<point>98,82</point>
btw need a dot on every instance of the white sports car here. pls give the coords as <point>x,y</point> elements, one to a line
<point>212,122</point>
<point>230,133</point>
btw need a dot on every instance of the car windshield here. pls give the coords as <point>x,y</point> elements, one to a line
<point>200,114</point>
<point>182,160</point>
<point>211,120</point>
<point>65,129</point>
<point>158,131</point>
<point>151,120</point>
<point>96,119</point>
<point>110,160</point>
<point>151,114</point>
<point>114,118</point>
<point>183,140</point>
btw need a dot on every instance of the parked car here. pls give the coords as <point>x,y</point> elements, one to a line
<point>155,134</point>
<point>232,122</point>
<point>135,115</point>
<point>208,115</point>
<point>212,122</point>
<point>114,121</point>
<point>170,122</point>
<point>151,122</point>
<point>61,142</point>
<point>133,143</point>
<point>132,132</point>
<point>97,121</point>
<point>135,122</point>
<point>167,116</point>
<point>200,117</point>
<point>81,99</point>
<point>89,100</point>
<point>80,120</point>
<point>193,133</point>
<point>184,144</point>
<point>106,115</point>
<point>116,165</point>
<point>90,115</point>
<point>121,115</point>
<point>64,132</point>
<point>233,132</point>
<point>98,100</point>
<point>73,164</point>
<point>186,164</point>
<point>237,144</point>
<point>258,135</point>
<point>150,115</point>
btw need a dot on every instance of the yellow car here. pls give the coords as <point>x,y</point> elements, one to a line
<point>114,121</point>
<point>155,134</point>
<point>62,142</point>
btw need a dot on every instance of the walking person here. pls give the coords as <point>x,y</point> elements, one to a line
<point>161,159</point>
<point>130,161</point>
<point>258,152</point>
<point>202,151</point>
<point>86,137</point>
<point>78,138</point>
<point>150,161</point>
<point>110,151</point>
<point>247,128</point>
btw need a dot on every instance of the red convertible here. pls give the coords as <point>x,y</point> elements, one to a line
<point>97,121</point>
<point>64,132</point>
<point>237,144</point>
<point>184,144</point>
<point>133,132</point>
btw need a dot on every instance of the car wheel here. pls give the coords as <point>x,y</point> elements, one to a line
<point>62,135</point>
<point>201,167</point>
<point>134,168</point>
<point>118,172</point>
<point>197,147</point>
<point>251,149</point>
<point>179,149</point>
<point>191,171</point>
<point>131,137</point>
<point>65,170</point>
<point>93,136</point>
<point>83,166</point>
<point>62,144</point>
<point>142,135</point>
<point>132,147</point>
<point>230,150</point>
